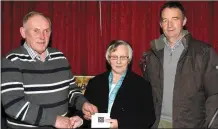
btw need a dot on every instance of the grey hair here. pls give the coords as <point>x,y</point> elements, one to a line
<point>33,13</point>
<point>113,46</point>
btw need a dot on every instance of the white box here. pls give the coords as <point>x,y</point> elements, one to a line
<point>98,120</point>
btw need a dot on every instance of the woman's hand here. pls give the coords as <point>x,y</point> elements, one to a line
<point>113,123</point>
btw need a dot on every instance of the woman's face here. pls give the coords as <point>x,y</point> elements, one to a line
<point>119,59</point>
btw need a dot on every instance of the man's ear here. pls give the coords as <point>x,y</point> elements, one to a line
<point>160,24</point>
<point>184,21</point>
<point>22,32</point>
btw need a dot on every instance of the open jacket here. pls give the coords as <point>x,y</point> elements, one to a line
<point>133,105</point>
<point>195,95</point>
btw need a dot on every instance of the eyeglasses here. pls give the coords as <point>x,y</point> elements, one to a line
<point>121,57</point>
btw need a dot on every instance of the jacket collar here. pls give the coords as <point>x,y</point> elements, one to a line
<point>127,72</point>
<point>158,45</point>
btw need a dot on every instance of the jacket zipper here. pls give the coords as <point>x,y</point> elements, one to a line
<point>212,120</point>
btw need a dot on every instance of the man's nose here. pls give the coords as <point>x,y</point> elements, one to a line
<point>169,25</point>
<point>41,35</point>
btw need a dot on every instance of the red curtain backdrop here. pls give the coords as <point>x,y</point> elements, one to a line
<point>83,29</point>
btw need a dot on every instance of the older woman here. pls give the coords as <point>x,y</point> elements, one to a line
<point>126,96</point>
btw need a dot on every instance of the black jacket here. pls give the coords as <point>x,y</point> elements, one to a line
<point>133,105</point>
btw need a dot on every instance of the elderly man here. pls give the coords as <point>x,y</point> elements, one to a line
<point>183,73</point>
<point>37,84</point>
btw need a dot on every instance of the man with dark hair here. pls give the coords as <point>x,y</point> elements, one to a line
<point>37,85</point>
<point>183,73</point>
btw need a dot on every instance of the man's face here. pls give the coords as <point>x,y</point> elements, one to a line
<point>36,32</point>
<point>172,22</point>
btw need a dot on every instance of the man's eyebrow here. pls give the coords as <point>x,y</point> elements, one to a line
<point>163,18</point>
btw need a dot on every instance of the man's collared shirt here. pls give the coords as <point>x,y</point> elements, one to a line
<point>177,43</point>
<point>33,53</point>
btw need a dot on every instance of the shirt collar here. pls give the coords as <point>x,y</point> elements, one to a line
<point>33,54</point>
<point>177,43</point>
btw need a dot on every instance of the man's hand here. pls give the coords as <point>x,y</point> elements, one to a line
<point>89,109</point>
<point>63,122</point>
<point>113,123</point>
<point>76,121</point>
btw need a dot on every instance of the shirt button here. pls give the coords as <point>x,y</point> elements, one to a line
<point>122,109</point>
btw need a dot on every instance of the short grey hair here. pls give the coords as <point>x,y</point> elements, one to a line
<point>113,46</point>
<point>33,13</point>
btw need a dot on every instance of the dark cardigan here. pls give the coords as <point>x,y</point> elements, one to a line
<point>133,105</point>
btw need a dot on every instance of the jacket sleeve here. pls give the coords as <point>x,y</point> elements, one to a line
<point>143,114</point>
<point>14,100</point>
<point>88,95</point>
<point>143,64</point>
<point>147,106</point>
<point>211,88</point>
<point>76,97</point>
<point>89,90</point>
